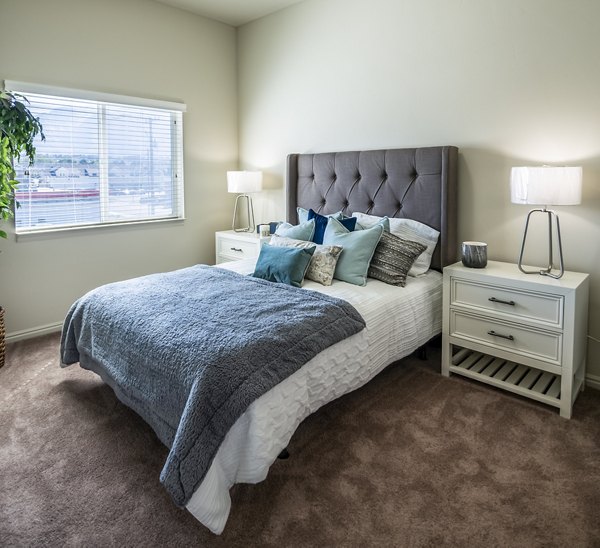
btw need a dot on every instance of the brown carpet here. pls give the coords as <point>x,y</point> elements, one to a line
<point>411,459</point>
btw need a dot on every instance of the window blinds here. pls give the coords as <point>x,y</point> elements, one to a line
<point>103,161</point>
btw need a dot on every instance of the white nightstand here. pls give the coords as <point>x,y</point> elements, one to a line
<point>523,333</point>
<point>234,246</point>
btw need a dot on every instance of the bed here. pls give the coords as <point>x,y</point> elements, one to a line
<point>418,184</point>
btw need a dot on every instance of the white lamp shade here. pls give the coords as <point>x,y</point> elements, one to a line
<point>546,185</point>
<point>241,182</point>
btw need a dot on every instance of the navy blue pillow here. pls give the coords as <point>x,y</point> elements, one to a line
<point>286,265</point>
<point>321,224</point>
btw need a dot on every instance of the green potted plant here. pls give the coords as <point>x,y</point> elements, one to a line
<point>18,129</point>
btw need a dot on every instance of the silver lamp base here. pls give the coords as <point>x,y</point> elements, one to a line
<point>545,271</point>
<point>250,215</point>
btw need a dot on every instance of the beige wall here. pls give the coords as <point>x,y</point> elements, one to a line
<point>131,47</point>
<point>511,82</point>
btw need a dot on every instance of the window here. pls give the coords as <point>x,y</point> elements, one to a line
<point>106,159</point>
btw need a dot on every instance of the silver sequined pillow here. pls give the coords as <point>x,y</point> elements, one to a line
<point>322,264</point>
<point>393,258</point>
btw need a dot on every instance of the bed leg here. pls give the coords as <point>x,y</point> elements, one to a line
<point>422,352</point>
<point>285,454</point>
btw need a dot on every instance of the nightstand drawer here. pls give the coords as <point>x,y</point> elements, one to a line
<point>543,345</point>
<point>236,249</point>
<point>508,302</point>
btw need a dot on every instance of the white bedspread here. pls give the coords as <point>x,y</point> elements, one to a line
<point>399,320</point>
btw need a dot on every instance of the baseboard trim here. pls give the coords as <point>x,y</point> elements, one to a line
<point>592,381</point>
<point>33,332</point>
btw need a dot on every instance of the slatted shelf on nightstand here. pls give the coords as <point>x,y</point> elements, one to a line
<point>514,377</point>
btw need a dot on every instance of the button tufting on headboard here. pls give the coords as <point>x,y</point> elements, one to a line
<point>330,182</point>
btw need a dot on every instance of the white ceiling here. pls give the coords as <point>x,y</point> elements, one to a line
<point>232,12</point>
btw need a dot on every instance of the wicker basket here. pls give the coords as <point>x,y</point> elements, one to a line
<point>2,341</point>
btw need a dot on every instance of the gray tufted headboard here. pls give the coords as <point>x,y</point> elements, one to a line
<point>415,183</point>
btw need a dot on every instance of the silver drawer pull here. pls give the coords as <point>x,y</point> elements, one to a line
<point>494,300</point>
<point>494,334</point>
<point>238,249</point>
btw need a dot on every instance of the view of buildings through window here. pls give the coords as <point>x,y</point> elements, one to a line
<point>100,163</point>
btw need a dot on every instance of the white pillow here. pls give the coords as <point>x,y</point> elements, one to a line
<point>408,230</point>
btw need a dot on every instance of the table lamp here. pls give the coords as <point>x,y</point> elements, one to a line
<point>545,186</point>
<point>241,183</point>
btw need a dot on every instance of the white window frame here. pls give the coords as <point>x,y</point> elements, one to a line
<point>104,99</point>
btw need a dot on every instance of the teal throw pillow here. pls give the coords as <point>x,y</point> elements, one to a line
<point>286,265</point>
<point>359,246</point>
<point>304,231</point>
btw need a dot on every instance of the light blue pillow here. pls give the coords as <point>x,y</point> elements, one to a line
<point>303,231</point>
<point>286,265</point>
<point>385,222</point>
<point>302,214</point>
<point>359,246</point>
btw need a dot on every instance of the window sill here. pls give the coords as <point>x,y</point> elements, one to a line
<point>31,234</point>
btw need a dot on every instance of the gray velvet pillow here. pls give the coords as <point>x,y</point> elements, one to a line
<point>323,262</point>
<point>393,258</point>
